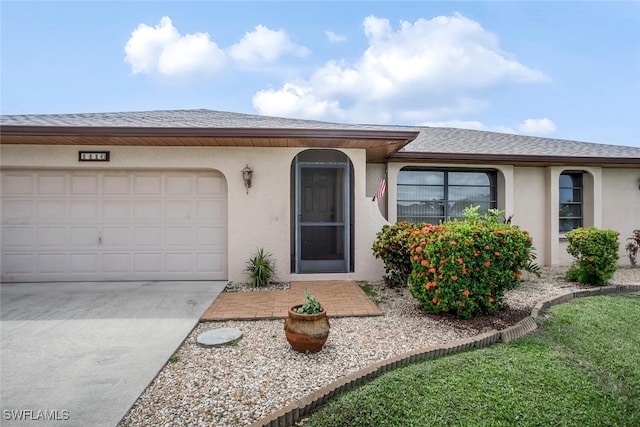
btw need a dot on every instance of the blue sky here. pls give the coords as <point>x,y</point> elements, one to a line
<point>567,70</point>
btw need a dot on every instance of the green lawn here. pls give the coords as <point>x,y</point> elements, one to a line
<point>582,368</point>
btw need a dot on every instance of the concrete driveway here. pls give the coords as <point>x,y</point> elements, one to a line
<point>80,354</point>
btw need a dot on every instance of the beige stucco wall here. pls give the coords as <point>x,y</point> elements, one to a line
<point>531,195</point>
<point>258,219</point>
<point>530,207</point>
<point>621,204</point>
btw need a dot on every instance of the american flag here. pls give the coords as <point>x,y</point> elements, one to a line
<point>381,187</point>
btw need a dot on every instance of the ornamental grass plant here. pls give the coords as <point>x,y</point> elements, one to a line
<point>261,268</point>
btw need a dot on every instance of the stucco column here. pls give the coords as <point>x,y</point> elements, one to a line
<point>596,196</point>
<point>392,193</point>
<point>552,220</point>
<point>506,190</point>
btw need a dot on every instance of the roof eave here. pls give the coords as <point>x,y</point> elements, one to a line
<point>515,159</point>
<point>122,131</point>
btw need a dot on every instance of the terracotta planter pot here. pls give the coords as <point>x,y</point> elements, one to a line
<point>306,332</point>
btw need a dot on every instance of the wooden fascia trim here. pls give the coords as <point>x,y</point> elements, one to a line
<point>405,136</point>
<point>515,159</point>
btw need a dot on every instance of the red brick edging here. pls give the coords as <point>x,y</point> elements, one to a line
<point>297,410</point>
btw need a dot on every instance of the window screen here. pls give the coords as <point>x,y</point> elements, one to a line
<point>437,195</point>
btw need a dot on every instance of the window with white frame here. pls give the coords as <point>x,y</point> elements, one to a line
<point>437,195</point>
<point>571,200</point>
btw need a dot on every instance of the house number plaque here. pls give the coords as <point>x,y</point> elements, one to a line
<point>93,156</point>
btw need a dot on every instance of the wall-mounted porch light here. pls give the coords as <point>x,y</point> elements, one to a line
<point>246,177</point>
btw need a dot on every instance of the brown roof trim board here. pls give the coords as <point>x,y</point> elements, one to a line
<point>18,130</point>
<point>378,143</point>
<point>515,159</point>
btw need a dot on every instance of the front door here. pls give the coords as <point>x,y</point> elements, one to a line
<point>322,236</point>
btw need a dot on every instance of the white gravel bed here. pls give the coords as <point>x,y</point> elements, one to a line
<point>238,384</point>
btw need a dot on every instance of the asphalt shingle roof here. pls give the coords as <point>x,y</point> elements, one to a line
<point>429,140</point>
<point>178,119</point>
<point>458,141</point>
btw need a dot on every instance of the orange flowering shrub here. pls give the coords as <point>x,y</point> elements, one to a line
<point>596,255</point>
<point>466,267</point>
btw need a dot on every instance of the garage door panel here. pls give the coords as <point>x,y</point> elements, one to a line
<point>179,184</point>
<point>179,236</point>
<point>52,263</point>
<point>18,183</point>
<point>17,212</point>
<point>84,237</point>
<point>212,236</point>
<point>147,236</point>
<point>211,186</point>
<point>51,211</point>
<point>18,237</point>
<point>84,184</point>
<point>179,262</point>
<point>147,210</point>
<point>116,262</point>
<point>52,237</point>
<point>179,210</point>
<point>211,210</point>
<point>19,264</point>
<point>52,183</point>
<point>84,210</point>
<point>147,184</point>
<point>147,263</point>
<point>116,211</point>
<point>85,262</point>
<point>113,225</point>
<point>116,236</point>
<point>116,185</point>
<point>210,263</point>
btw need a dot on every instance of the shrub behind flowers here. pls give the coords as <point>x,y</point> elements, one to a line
<point>596,255</point>
<point>392,246</point>
<point>466,267</point>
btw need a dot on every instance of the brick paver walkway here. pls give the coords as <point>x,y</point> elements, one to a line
<point>340,298</point>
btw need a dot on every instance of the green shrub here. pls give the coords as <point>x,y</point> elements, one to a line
<point>261,268</point>
<point>392,246</point>
<point>633,246</point>
<point>466,267</point>
<point>596,255</point>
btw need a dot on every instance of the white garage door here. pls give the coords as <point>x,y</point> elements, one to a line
<point>113,225</point>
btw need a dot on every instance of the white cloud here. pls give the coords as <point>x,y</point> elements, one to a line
<point>264,45</point>
<point>162,50</point>
<point>428,66</point>
<point>334,38</point>
<point>293,100</point>
<point>537,126</point>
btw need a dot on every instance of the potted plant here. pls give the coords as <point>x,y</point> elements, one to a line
<point>307,326</point>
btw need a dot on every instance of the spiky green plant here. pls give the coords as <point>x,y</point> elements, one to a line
<point>261,269</point>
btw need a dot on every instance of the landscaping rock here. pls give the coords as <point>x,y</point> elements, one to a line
<point>217,337</point>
